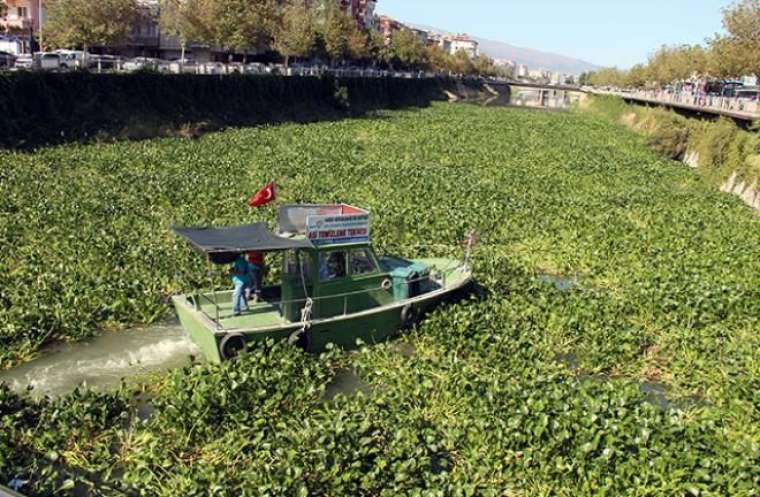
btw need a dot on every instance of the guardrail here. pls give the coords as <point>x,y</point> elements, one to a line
<point>438,277</point>
<point>731,106</point>
<point>97,64</point>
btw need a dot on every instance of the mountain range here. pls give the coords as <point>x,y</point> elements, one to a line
<point>534,59</point>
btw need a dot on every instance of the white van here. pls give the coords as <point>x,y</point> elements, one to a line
<point>73,59</point>
<point>47,61</point>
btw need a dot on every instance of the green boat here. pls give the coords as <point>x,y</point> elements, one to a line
<point>333,289</point>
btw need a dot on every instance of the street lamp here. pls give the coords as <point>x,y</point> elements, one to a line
<point>39,19</point>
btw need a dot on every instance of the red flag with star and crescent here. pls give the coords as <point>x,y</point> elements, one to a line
<point>264,196</point>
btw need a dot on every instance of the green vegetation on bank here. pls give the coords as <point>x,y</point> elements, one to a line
<point>719,149</point>
<point>523,389</point>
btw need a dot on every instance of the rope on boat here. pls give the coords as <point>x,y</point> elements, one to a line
<point>306,312</point>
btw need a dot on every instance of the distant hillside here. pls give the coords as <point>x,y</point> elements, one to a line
<point>534,59</point>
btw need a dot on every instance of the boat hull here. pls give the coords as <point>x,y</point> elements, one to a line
<point>346,331</point>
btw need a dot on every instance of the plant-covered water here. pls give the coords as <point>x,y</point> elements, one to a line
<point>611,348</point>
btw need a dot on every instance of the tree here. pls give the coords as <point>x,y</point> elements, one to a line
<point>241,25</point>
<point>379,51</point>
<point>484,65</point>
<point>295,33</point>
<point>188,20</point>
<point>637,76</point>
<point>438,60</point>
<point>407,49</point>
<point>609,76</point>
<point>461,63</point>
<point>677,63</point>
<point>358,44</point>
<point>3,10</point>
<point>335,29</point>
<point>725,59</point>
<point>740,47</point>
<point>85,23</point>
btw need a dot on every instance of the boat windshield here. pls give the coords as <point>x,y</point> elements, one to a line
<point>291,265</point>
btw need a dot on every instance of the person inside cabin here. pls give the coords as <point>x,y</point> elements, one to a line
<point>257,267</point>
<point>241,278</point>
<point>332,266</point>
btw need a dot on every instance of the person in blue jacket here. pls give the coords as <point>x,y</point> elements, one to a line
<point>241,278</point>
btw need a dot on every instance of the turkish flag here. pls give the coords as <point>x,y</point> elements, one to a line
<point>263,196</point>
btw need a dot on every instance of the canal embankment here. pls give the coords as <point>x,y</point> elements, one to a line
<point>726,155</point>
<point>38,109</point>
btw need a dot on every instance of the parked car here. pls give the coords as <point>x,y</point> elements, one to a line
<point>211,68</point>
<point>7,60</point>
<point>24,62</point>
<point>142,64</point>
<point>103,62</point>
<point>235,68</point>
<point>48,61</point>
<point>748,93</point>
<point>256,68</point>
<point>188,66</point>
<point>73,59</point>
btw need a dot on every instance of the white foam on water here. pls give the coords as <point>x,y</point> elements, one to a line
<point>103,362</point>
<point>146,357</point>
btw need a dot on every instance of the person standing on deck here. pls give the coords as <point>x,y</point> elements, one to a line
<point>257,266</point>
<point>241,278</point>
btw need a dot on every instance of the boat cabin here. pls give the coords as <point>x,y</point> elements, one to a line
<point>333,288</point>
<point>328,263</point>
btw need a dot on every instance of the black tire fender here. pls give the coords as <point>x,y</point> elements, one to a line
<point>231,345</point>
<point>408,315</point>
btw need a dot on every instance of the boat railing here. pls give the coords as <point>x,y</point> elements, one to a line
<point>217,318</point>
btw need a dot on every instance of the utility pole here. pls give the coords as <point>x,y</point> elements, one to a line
<point>39,20</point>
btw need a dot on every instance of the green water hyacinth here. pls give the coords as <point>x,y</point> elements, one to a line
<point>611,347</point>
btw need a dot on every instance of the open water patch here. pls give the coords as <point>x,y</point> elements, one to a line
<point>655,393</point>
<point>345,382</point>
<point>103,362</point>
<point>561,283</point>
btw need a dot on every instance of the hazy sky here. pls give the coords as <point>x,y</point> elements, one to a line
<point>605,32</point>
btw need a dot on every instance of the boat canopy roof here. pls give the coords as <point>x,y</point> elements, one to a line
<point>223,245</point>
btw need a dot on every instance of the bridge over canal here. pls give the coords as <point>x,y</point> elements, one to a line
<point>527,94</point>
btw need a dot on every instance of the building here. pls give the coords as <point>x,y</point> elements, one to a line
<point>145,38</point>
<point>21,25</point>
<point>15,45</point>
<point>444,42</point>
<point>522,71</point>
<point>506,67</point>
<point>23,16</point>
<point>362,10</point>
<point>421,34</point>
<point>465,43</point>
<point>557,78</point>
<point>387,26</point>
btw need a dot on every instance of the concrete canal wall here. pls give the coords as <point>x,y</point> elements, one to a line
<point>43,108</point>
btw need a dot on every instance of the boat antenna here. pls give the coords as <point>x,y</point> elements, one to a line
<point>472,238</point>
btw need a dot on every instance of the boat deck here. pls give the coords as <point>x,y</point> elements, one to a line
<point>260,315</point>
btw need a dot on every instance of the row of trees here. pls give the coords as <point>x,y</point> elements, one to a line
<point>733,54</point>
<point>296,29</point>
